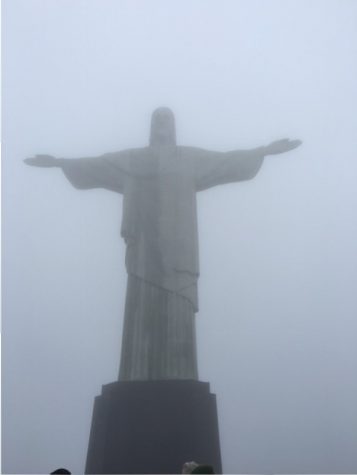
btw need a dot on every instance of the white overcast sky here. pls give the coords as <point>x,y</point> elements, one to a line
<point>278,302</point>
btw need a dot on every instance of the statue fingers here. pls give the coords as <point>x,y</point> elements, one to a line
<point>30,161</point>
<point>295,143</point>
<point>40,161</point>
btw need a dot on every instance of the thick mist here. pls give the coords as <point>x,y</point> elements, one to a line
<point>276,328</point>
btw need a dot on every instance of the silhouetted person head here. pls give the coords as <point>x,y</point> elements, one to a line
<point>203,469</point>
<point>163,127</point>
<point>188,467</point>
<point>61,470</point>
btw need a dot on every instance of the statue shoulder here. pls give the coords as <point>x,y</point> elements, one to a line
<point>139,152</point>
<point>127,156</point>
<point>190,153</point>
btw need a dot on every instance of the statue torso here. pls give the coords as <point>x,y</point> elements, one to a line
<point>160,219</point>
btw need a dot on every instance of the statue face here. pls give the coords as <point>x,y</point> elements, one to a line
<point>163,127</point>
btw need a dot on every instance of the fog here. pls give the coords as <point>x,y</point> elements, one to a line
<point>277,325</point>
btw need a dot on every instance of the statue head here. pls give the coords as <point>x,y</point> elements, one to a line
<point>163,127</point>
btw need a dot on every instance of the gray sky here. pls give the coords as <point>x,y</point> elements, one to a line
<point>278,303</point>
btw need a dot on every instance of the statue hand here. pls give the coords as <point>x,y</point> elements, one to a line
<point>281,146</point>
<point>41,161</point>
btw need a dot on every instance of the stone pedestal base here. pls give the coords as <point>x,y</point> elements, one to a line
<point>153,427</point>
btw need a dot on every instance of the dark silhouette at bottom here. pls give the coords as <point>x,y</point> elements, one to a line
<point>203,469</point>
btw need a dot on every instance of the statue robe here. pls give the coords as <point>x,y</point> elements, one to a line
<point>159,226</point>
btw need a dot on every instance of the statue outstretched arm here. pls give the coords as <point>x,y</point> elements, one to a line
<point>45,161</point>
<point>281,146</point>
<point>217,168</point>
<point>107,171</point>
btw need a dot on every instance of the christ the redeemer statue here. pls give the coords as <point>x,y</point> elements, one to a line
<point>159,185</point>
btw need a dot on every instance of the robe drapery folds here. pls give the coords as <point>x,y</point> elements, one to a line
<point>159,226</point>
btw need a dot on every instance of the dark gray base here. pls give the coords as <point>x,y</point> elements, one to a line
<point>153,427</point>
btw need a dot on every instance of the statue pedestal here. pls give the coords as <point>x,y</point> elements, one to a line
<point>153,427</point>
